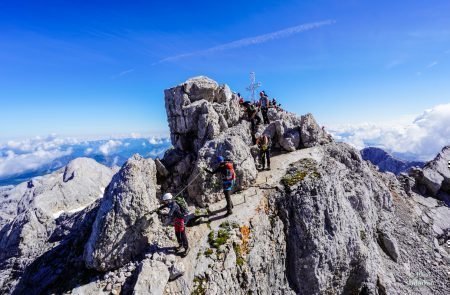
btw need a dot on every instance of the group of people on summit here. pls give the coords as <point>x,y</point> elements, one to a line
<point>177,205</point>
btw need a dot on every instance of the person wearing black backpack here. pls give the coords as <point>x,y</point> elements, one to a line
<point>177,212</point>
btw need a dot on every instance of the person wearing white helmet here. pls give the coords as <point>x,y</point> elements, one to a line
<point>263,142</point>
<point>176,213</point>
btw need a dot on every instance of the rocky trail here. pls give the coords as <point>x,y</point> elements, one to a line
<point>246,204</point>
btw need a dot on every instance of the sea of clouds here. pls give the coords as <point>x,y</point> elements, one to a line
<point>23,159</point>
<point>418,139</point>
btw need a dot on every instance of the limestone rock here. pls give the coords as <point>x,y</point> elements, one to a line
<point>435,176</point>
<point>311,134</point>
<point>206,188</point>
<point>118,233</point>
<point>152,278</point>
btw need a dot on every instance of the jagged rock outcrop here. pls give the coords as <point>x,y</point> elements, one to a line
<point>45,203</point>
<point>386,162</point>
<point>331,211</point>
<point>434,178</point>
<point>120,231</point>
<point>205,121</point>
<point>206,188</point>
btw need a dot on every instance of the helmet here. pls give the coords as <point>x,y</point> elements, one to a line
<point>258,135</point>
<point>220,159</point>
<point>167,197</point>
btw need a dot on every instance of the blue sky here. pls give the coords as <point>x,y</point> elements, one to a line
<point>93,68</point>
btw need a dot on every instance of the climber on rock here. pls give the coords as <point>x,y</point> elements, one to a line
<point>264,103</point>
<point>264,143</point>
<point>177,213</point>
<point>253,117</point>
<point>226,169</point>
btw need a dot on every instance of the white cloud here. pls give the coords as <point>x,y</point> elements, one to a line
<point>109,146</point>
<point>432,64</point>
<point>17,163</point>
<point>31,154</point>
<point>158,140</point>
<point>421,138</point>
<point>253,40</point>
<point>88,151</point>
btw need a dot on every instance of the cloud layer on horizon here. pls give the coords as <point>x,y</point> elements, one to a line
<point>420,139</point>
<point>42,155</point>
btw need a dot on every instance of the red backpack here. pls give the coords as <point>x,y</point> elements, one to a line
<point>229,171</point>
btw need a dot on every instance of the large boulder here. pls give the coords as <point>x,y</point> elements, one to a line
<point>152,278</point>
<point>435,176</point>
<point>198,110</point>
<point>206,188</point>
<point>331,210</point>
<point>311,134</point>
<point>119,232</point>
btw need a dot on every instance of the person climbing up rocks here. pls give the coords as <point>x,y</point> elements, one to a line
<point>177,213</point>
<point>264,144</point>
<point>252,114</point>
<point>264,103</point>
<point>226,169</point>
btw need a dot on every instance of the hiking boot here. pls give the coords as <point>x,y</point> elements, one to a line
<point>180,249</point>
<point>229,213</point>
<point>185,253</point>
<point>268,168</point>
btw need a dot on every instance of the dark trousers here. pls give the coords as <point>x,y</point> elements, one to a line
<point>265,155</point>
<point>230,206</point>
<point>264,114</point>
<point>182,239</point>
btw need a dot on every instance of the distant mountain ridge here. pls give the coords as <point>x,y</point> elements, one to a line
<point>386,162</point>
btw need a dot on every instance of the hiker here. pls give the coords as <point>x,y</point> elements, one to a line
<point>226,169</point>
<point>240,98</point>
<point>264,103</point>
<point>177,211</point>
<point>252,113</point>
<point>263,142</point>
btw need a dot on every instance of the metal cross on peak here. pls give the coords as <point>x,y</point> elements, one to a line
<point>253,86</point>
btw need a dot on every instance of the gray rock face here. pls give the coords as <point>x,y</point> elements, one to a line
<point>435,176</point>
<point>386,162</point>
<point>205,121</point>
<point>207,188</point>
<point>45,205</point>
<point>198,110</point>
<point>152,278</point>
<point>311,134</point>
<point>119,231</point>
<point>331,212</point>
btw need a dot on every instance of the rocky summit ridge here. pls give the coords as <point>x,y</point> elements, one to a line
<point>322,221</point>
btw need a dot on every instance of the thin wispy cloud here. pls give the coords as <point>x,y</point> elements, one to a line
<point>432,64</point>
<point>393,64</point>
<point>252,40</point>
<point>123,73</point>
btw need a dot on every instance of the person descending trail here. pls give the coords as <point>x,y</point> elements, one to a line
<point>252,113</point>
<point>226,169</point>
<point>264,103</point>
<point>177,212</point>
<point>264,144</point>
